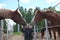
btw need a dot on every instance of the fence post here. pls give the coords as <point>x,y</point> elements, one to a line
<point>0,31</point>
<point>2,23</point>
<point>47,34</point>
<point>34,32</point>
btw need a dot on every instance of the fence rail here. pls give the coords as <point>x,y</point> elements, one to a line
<point>51,26</point>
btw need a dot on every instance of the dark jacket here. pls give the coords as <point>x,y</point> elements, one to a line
<point>27,32</point>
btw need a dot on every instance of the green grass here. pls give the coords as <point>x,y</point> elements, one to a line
<point>17,33</point>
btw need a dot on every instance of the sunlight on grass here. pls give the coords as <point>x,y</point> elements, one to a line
<point>17,33</point>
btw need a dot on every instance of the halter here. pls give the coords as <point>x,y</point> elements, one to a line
<point>19,12</point>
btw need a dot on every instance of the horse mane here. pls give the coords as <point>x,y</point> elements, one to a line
<point>6,13</point>
<point>49,10</point>
<point>6,9</point>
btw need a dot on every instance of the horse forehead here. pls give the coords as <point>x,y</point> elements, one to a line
<point>33,19</point>
<point>19,12</point>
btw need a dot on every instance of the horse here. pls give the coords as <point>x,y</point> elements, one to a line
<point>49,15</point>
<point>49,29</point>
<point>15,15</point>
<point>44,29</point>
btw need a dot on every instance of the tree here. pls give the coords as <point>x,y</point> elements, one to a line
<point>58,12</point>
<point>29,15</point>
<point>5,26</point>
<point>15,27</point>
<point>52,8</point>
<point>23,11</point>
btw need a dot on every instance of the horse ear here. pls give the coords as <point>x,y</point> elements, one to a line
<point>36,11</point>
<point>16,10</point>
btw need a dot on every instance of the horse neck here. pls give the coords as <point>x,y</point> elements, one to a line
<point>5,14</point>
<point>55,19</point>
<point>50,17</point>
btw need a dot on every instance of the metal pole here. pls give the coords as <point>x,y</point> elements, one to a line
<point>0,31</point>
<point>18,24</point>
<point>2,23</point>
<point>37,28</point>
<point>47,36</point>
<point>7,33</point>
<point>34,32</point>
<point>56,5</point>
<point>18,4</point>
<point>7,30</point>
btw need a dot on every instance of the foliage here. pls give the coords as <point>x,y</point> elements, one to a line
<point>5,26</point>
<point>58,12</point>
<point>15,27</point>
<point>23,11</point>
<point>40,25</point>
<point>51,8</point>
<point>29,15</point>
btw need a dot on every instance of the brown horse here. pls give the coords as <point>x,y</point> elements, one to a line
<point>14,15</point>
<point>49,15</point>
<point>44,29</point>
<point>49,29</point>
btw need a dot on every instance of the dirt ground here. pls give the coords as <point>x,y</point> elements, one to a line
<point>20,37</point>
<point>17,37</point>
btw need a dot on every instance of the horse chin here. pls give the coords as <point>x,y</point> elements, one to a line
<point>24,24</point>
<point>33,23</point>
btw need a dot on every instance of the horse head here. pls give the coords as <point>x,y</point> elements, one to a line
<point>17,17</point>
<point>39,15</point>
